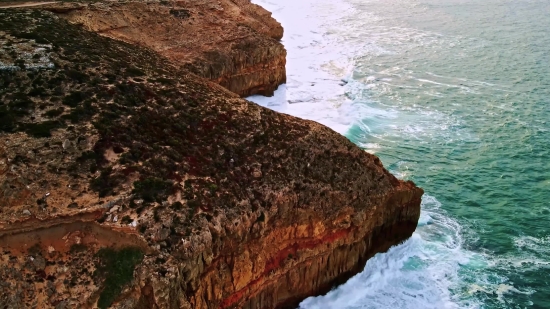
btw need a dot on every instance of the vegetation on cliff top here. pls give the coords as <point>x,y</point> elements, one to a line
<point>160,123</point>
<point>153,124</point>
<point>117,269</point>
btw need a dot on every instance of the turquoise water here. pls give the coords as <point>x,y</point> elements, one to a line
<point>454,95</point>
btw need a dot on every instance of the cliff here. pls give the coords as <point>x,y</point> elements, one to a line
<point>128,182</point>
<point>233,43</point>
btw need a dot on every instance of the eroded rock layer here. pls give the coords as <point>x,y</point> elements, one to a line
<point>128,182</point>
<point>233,43</point>
<point>310,251</point>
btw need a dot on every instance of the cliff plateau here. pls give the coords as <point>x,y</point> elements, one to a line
<point>233,43</point>
<point>128,181</point>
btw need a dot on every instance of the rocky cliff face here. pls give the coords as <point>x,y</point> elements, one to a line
<point>128,182</point>
<point>297,252</point>
<point>233,43</point>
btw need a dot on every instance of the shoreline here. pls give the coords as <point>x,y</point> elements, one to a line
<point>316,65</point>
<point>237,205</point>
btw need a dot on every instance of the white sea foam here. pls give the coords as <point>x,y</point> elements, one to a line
<point>540,245</point>
<point>422,272</point>
<point>316,65</point>
<point>323,38</point>
<point>503,289</point>
<point>416,274</point>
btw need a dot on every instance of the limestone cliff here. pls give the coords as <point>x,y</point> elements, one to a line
<point>128,182</point>
<point>233,43</point>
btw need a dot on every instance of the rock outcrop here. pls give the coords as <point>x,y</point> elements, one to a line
<point>233,43</point>
<point>128,182</point>
<point>300,250</point>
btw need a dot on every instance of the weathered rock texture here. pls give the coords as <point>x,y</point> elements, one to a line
<point>233,43</point>
<point>202,199</point>
<point>307,244</point>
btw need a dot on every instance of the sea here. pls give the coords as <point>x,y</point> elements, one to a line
<point>455,96</point>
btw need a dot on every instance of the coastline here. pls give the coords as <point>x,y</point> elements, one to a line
<point>236,204</point>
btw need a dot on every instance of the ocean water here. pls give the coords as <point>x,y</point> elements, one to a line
<point>454,95</point>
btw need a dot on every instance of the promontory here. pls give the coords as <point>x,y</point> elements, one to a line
<point>133,174</point>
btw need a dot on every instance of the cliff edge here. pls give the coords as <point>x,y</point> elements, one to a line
<point>127,181</point>
<point>233,43</point>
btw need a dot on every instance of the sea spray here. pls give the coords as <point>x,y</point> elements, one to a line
<point>416,274</point>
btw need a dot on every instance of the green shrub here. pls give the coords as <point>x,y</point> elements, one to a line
<point>76,75</point>
<point>74,99</point>
<point>41,129</point>
<point>105,183</point>
<point>38,91</point>
<point>152,189</point>
<point>7,120</point>
<point>87,155</point>
<point>177,206</point>
<point>32,36</point>
<point>117,267</point>
<point>133,71</point>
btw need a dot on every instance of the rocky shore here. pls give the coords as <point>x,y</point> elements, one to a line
<point>133,176</point>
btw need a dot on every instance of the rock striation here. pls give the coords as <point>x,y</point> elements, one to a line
<point>127,181</point>
<point>233,43</point>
